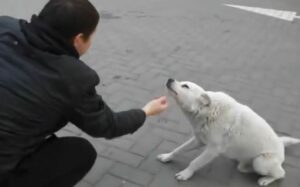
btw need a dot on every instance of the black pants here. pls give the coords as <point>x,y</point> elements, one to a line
<point>60,162</point>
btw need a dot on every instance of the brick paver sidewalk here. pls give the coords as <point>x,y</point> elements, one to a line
<point>141,43</point>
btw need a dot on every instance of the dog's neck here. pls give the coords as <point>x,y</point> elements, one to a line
<point>207,115</point>
<point>197,120</point>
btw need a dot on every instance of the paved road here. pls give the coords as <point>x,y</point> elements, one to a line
<point>141,43</point>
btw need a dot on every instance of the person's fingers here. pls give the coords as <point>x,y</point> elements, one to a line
<point>162,99</point>
<point>164,105</point>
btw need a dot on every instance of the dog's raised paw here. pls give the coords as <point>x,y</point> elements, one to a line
<point>167,157</point>
<point>184,175</point>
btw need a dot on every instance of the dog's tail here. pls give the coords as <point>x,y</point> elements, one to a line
<point>287,141</point>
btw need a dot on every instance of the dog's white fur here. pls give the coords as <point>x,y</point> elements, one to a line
<point>226,127</point>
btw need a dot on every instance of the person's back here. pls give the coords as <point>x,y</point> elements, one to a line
<point>29,108</point>
<point>43,86</point>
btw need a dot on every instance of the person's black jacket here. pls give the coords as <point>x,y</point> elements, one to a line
<point>43,86</point>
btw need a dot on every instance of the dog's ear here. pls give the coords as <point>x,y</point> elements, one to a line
<point>204,99</point>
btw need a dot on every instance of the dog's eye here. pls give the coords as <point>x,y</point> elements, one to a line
<point>185,86</point>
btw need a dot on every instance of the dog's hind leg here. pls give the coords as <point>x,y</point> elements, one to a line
<point>245,167</point>
<point>189,145</point>
<point>270,167</point>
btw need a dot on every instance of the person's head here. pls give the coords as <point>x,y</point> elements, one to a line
<point>75,20</point>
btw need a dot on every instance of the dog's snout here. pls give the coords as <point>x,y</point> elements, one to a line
<point>169,82</point>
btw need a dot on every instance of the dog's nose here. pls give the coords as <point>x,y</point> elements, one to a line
<point>169,82</point>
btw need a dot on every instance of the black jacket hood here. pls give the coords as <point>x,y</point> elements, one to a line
<point>43,37</point>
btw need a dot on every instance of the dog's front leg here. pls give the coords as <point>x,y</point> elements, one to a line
<point>207,156</point>
<point>191,144</point>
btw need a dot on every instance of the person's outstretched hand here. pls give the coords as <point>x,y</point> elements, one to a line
<point>156,106</point>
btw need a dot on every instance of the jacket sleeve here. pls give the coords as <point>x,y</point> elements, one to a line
<point>94,116</point>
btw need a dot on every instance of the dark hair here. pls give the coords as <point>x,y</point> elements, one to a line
<point>70,17</point>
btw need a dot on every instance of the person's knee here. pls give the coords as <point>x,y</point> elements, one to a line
<point>85,152</point>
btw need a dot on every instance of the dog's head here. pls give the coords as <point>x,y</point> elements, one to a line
<point>188,95</point>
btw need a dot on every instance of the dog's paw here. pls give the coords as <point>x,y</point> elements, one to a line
<point>167,157</point>
<point>184,175</point>
<point>265,181</point>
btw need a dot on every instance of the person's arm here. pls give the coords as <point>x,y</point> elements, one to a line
<point>89,112</point>
<point>95,117</point>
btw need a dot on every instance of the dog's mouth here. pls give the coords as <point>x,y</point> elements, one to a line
<point>169,86</point>
<point>172,90</point>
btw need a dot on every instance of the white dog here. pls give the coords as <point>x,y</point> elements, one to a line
<point>226,127</point>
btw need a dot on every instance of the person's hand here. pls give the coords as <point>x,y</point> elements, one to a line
<point>156,106</point>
